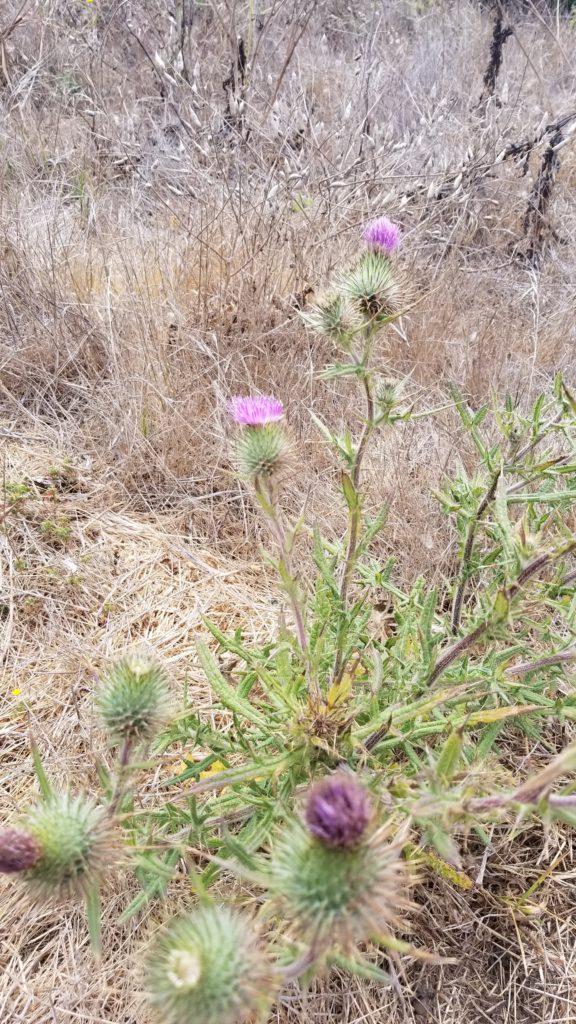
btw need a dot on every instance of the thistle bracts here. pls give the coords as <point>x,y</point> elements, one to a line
<point>337,881</point>
<point>365,296</point>
<point>335,316</point>
<point>262,446</point>
<point>372,284</point>
<point>260,451</point>
<point>18,851</point>
<point>133,701</point>
<point>210,968</point>
<point>74,843</point>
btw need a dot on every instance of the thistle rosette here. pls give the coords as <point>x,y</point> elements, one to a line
<point>337,878</point>
<point>71,845</point>
<point>210,968</point>
<point>133,700</point>
<point>262,447</point>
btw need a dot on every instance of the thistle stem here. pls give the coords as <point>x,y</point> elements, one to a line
<point>467,556</point>
<point>509,593</point>
<point>123,769</point>
<point>355,514</point>
<point>268,501</point>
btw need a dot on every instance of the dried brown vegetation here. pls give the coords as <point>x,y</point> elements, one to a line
<point>169,196</point>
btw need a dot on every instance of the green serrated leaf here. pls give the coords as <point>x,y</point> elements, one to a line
<point>226,693</point>
<point>45,787</point>
<point>450,755</point>
<point>350,493</point>
<point>94,917</point>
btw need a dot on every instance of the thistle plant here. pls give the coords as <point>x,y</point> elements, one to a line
<point>349,755</point>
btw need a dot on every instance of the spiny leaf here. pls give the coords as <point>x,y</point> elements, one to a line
<point>226,693</point>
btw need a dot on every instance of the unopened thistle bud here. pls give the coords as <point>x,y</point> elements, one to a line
<point>373,285</point>
<point>18,851</point>
<point>336,317</point>
<point>262,447</point>
<point>336,879</point>
<point>209,968</point>
<point>389,396</point>
<point>74,842</point>
<point>133,700</point>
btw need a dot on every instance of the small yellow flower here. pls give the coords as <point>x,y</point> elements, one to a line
<point>16,692</point>
<point>215,768</point>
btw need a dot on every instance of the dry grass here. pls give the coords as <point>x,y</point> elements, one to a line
<point>156,234</point>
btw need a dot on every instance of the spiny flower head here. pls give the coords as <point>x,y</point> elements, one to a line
<point>75,844</point>
<point>18,850</point>
<point>338,810</point>
<point>382,234</point>
<point>133,700</point>
<point>209,968</point>
<point>256,412</point>
<point>336,317</point>
<point>337,894</point>
<point>262,451</point>
<point>373,285</point>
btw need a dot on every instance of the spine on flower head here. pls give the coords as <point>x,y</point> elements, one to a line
<point>133,700</point>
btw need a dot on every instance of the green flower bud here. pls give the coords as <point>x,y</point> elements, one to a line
<point>208,968</point>
<point>75,843</point>
<point>262,450</point>
<point>337,895</point>
<point>336,317</point>
<point>373,284</point>
<point>133,700</point>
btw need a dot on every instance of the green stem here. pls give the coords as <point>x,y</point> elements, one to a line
<point>467,556</point>
<point>355,514</point>
<point>122,776</point>
<point>267,499</point>
<point>509,593</point>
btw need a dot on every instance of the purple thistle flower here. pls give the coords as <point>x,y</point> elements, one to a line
<point>256,412</point>
<point>18,851</point>
<point>338,811</point>
<point>382,234</point>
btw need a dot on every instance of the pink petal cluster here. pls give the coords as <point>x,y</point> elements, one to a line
<point>256,412</point>
<point>382,234</point>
